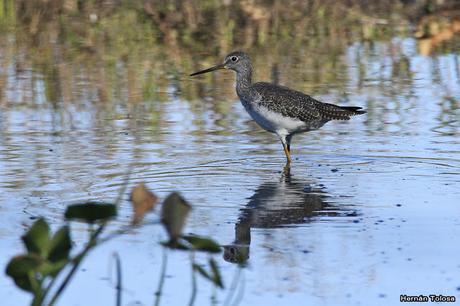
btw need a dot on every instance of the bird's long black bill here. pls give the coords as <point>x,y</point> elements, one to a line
<point>217,67</point>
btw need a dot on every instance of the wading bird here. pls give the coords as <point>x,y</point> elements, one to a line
<point>279,109</point>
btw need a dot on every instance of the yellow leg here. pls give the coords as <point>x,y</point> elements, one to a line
<point>288,153</point>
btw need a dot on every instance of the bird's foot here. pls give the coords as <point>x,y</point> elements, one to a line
<point>287,169</point>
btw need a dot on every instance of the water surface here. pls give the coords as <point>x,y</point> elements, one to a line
<point>370,210</point>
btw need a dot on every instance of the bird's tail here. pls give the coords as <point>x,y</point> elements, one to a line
<point>335,112</point>
<point>355,110</point>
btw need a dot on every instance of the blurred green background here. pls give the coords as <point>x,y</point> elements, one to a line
<point>156,43</point>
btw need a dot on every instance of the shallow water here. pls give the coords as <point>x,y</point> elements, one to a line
<point>370,210</point>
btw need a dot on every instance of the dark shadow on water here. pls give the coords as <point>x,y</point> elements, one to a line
<point>275,204</point>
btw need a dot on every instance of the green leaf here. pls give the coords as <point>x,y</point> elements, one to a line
<point>91,212</point>
<point>60,245</point>
<point>21,267</point>
<point>22,264</point>
<point>202,243</point>
<point>37,238</point>
<point>202,271</point>
<point>23,282</point>
<point>175,245</point>
<point>52,268</point>
<point>216,277</point>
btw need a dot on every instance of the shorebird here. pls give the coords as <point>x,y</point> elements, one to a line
<point>279,109</point>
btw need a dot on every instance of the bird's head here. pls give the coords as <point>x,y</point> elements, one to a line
<point>236,61</point>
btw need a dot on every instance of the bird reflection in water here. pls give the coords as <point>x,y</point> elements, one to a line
<point>275,204</point>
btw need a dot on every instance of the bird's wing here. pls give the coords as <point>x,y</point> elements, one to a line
<point>296,104</point>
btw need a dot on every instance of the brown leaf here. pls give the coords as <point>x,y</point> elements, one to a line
<point>143,201</point>
<point>174,212</point>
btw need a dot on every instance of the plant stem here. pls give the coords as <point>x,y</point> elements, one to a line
<point>159,291</point>
<point>119,283</point>
<point>240,294</point>
<point>38,299</point>
<point>50,285</point>
<point>192,297</point>
<point>124,186</point>
<point>214,296</point>
<point>37,290</point>
<point>76,263</point>
<point>91,244</point>
<point>233,286</point>
<point>93,237</point>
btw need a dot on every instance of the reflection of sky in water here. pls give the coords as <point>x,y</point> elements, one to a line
<point>405,151</point>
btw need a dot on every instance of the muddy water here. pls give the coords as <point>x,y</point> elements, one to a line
<point>370,210</point>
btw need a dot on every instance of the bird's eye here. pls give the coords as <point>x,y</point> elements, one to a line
<point>234,58</point>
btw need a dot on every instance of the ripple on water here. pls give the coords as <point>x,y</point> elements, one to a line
<point>363,196</point>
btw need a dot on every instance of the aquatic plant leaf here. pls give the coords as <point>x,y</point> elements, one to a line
<point>174,212</point>
<point>21,267</point>
<point>52,268</point>
<point>60,245</point>
<point>37,237</point>
<point>23,264</point>
<point>202,243</point>
<point>23,282</point>
<point>143,201</point>
<point>202,271</point>
<point>216,277</point>
<point>175,245</point>
<point>91,212</point>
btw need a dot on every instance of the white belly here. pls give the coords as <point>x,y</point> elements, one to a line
<point>274,122</point>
